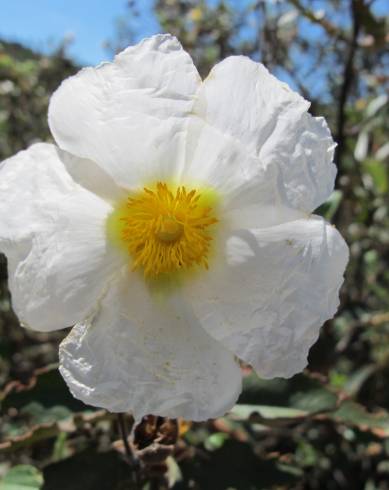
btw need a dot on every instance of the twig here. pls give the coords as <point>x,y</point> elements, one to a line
<point>263,41</point>
<point>124,435</point>
<point>130,457</point>
<point>330,29</point>
<point>347,81</point>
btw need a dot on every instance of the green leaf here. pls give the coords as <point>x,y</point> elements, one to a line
<point>32,415</point>
<point>354,414</point>
<point>378,173</point>
<point>306,454</point>
<point>317,399</point>
<point>329,208</point>
<point>362,146</point>
<point>266,413</point>
<point>43,417</point>
<point>22,477</point>
<point>358,379</point>
<point>215,441</point>
<point>376,104</point>
<point>60,450</point>
<point>19,435</point>
<point>301,392</point>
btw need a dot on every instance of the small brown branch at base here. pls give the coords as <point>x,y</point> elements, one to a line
<point>124,435</point>
<point>131,459</point>
<point>148,448</point>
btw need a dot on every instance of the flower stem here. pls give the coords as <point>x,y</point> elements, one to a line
<point>131,459</point>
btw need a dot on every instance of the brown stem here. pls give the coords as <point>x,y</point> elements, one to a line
<point>130,457</point>
<point>264,45</point>
<point>348,73</point>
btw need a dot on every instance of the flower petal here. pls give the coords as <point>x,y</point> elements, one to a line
<point>240,99</point>
<point>92,177</point>
<point>129,115</point>
<point>148,355</point>
<point>251,194</point>
<point>268,297</point>
<point>53,233</point>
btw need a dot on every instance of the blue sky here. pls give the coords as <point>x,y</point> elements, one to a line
<point>42,24</point>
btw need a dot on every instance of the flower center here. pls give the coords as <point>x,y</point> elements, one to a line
<point>170,229</point>
<point>166,229</point>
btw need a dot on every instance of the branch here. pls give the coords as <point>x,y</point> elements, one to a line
<point>331,29</point>
<point>348,73</point>
<point>131,459</point>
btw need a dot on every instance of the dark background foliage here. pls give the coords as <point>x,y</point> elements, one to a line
<point>327,428</point>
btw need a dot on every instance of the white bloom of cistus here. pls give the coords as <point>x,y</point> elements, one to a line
<point>172,227</point>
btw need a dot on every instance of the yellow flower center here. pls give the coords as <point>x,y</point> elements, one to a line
<point>165,229</point>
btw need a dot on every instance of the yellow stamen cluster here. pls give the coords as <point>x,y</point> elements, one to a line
<point>166,231</point>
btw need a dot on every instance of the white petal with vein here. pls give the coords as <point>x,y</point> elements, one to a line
<point>242,100</point>
<point>148,354</point>
<point>129,116</point>
<point>53,233</point>
<point>270,293</point>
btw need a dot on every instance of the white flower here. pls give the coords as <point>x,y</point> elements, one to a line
<point>172,227</point>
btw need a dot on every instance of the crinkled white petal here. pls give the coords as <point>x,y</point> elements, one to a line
<point>303,150</point>
<point>92,177</point>
<point>129,116</point>
<point>52,231</point>
<point>250,194</point>
<point>148,354</point>
<point>275,138</point>
<point>270,291</point>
